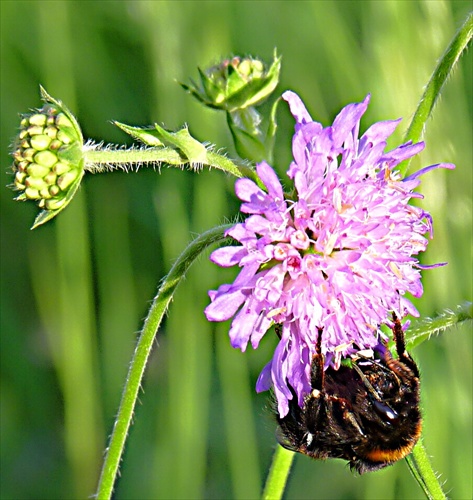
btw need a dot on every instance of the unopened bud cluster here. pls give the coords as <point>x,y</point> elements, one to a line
<point>47,157</point>
<point>245,68</point>
<point>236,83</point>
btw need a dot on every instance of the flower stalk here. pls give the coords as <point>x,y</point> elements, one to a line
<point>278,474</point>
<point>442,72</point>
<point>141,355</point>
<point>421,468</point>
<point>109,158</point>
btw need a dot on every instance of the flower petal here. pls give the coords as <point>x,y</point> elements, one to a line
<point>347,120</point>
<point>246,190</point>
<point>228,256</point>
<point>297,107</point>
<point>424,170</point>
<point>270,180</point>
<point>225,306</point>
<point>378,132</point>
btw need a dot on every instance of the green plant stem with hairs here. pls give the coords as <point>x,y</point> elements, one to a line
<point>141,355</point>
<point>442,72</point>
<point>278,473</point>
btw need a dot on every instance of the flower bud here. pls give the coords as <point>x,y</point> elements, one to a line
<point>48,162</point>
<point>236,83</point>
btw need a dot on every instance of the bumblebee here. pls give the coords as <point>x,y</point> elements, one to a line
<point>367,413</point>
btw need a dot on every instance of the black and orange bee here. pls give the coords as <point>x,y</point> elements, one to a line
<point>367,413</point>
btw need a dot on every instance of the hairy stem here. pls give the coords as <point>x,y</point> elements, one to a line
<point>422,470</point>
<point>444,69</point>
<point>100,159</point>
<point>278,474</point>
<point>141,355</point>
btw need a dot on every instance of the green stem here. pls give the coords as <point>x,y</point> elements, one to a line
<point>141,355</point>
<point>111,158</point>
<point>440,75</point>
<point>278,474</point>
<point>422,470</point>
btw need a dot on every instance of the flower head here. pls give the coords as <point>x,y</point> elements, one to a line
<point>47,159</point>
<point>236,83</point>
<point>339,254</point>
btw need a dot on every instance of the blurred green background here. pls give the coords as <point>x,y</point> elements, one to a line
<point>75,291</point>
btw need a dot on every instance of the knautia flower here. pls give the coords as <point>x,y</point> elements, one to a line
<point>48,160</point>
<point>337,254</point>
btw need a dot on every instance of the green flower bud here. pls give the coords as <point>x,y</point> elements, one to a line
<point>48,161</point>
<point>40,142</point>
<point>236,83</point>
<point>65,180</point>
<point>35,183</point>
<point>38,119</point>
<point>37,171</point>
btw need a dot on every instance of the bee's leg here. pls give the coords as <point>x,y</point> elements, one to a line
<point>399,336</point>
<point>404,356</point>
<point>317,374</point>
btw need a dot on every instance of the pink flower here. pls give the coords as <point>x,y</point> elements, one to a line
<point>338,255</point>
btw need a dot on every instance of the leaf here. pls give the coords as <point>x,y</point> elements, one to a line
<point>63,108</point>
<point>173,148</point>
<point>147,136</point>
<point>193,150</point>
<point>423,329</point>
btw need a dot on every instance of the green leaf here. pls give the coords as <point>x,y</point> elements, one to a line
<point>114,158</point>
<point>422,330</point>
<point>193,150</point>
<point>145,135</point>
<point>210,87</point>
